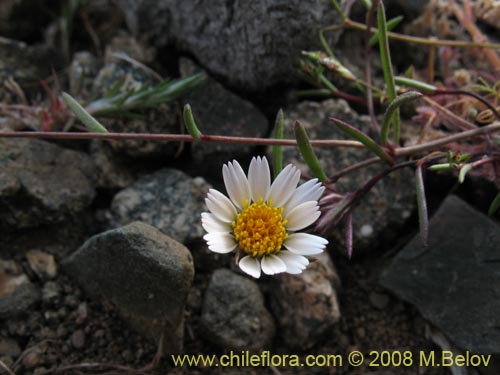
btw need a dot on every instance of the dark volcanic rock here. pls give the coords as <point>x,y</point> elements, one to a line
<point>233,313</point>
<point>144,273</point>
<point>454,281</point>
<point>168,199</point>
<point>249,44</point>
<point>42,183</point>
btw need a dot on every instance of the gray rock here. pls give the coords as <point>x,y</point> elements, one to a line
<point>233,313</point>
<point>113,171</point>
<point>144,273</point>
<point>42,183</point>
<point>454,281</point>
<point>219,111</point>
<point>252,45</point>
<point>167,199</point>
<point>19,301</point>
<point>306,305</point>
<point>42,264</point>
<point>388,205</point>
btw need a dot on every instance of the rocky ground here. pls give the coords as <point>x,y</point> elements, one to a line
<point>103,269</point>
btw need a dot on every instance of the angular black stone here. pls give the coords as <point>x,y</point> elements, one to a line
<point>455,281</point>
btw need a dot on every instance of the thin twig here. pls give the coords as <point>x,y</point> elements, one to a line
<point>354,167</point>
<point>460,122</point>
<point>6,368</point>
<point>418,40</point>
<point>432,145</point>
<point>177,138</point>
<point>400,151</point>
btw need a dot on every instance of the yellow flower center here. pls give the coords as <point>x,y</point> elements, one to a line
<point>260,228</point>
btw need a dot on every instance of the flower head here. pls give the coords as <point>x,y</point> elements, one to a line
<point>261,221</point>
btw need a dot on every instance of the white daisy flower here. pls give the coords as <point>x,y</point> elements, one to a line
<point>261,221</point>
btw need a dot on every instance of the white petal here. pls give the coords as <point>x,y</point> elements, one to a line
<point>294,263</point>
<point>259,178</point>
<point>305,244</point>
<point>220,205</point>
<point>284,185</point>
<point>308,191</point>
<point>220,242</point>
<point>236,183</point>
<point>210,223</point>
<point>250,265</point>
<point>302,216</point>
<point>271,264</point>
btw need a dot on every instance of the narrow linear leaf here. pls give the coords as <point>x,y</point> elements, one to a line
<point>423,217</point>
<point>385,58</point>
<point>191,127</point>
<point>348,235</point>
<point>367,141</point>
<point>463,172</point>
<point>413,83</point>
<point>90,122</point>
<point>307,152</point>
<point>495,205</point>
<point>391,24</point>
<point>277,150</point>
<point>391,109</point>
<point>385,55</point>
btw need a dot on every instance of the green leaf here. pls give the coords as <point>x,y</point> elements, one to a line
<point>190,123</point>
<point>440,167</point>
<point>391,109</point>
<point>277,150</point>
<point>385,57</point>
<point>367,141</point>
<point>307,152</point>
<point>423,217</point>
<point>148,96</point>
<point>463,172</point>
<point>495,205</point>
<point>90,122</point>
<point>413,83</point>
<point>391,24</point>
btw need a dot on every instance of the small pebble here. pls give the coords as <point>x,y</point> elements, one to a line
<point>32,359</point>
<point>43,264</point>
<point>361,332</point>
<point>51,292</point>
<point>379,300</point>
<point>82,313</point>
<point>78,339</point>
